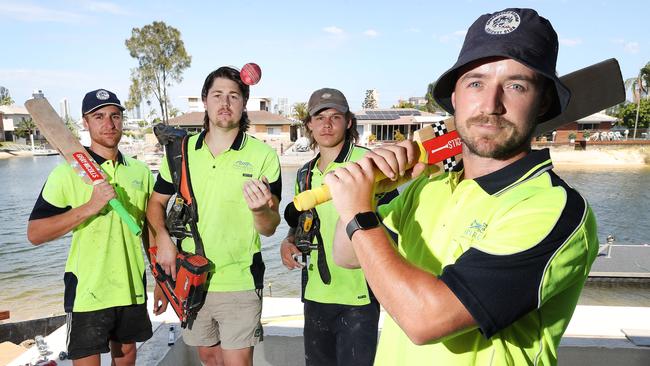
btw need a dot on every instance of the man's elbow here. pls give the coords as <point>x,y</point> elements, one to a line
<point>33,237</point>
<point>421,334</point>
<point>345,262</point>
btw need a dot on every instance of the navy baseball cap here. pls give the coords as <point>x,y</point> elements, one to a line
<point>518,34</point>
<point>99,98</point>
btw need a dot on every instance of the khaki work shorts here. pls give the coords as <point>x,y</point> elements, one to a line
<point>231,319</point>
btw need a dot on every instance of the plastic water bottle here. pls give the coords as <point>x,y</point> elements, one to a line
<point>172,336</point>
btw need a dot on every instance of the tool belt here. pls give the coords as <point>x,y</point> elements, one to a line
<point>187,293</point>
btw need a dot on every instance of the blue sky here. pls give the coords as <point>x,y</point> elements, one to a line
<point>68,47</point>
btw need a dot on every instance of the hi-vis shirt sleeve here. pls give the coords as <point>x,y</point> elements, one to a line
<point>164,183</point>
<point>271,170</point>
<point>53,200</point>
<point>531,252</point>
<point>392,212</point>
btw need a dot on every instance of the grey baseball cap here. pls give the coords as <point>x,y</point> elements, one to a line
<point>327,98</point>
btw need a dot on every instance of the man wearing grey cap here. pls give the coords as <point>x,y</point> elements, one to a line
<point>104,277</point>
<point>341,313</point>
<point>491,257</point>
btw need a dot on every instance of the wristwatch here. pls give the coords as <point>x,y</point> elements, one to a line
<point>362,221</point>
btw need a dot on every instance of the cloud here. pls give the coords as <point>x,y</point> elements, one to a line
<point>413,30</point>
<point>570,42</point>
<point>632,47</point>
<point>35,13</point>
<point>104,7</point>
<point>333,30</point>
<point>371,33</point>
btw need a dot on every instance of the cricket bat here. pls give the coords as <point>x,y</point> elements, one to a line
<point>58,135</point>
<point>593,89</point>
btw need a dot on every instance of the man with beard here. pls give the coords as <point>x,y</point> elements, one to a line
<point>491,258</point>
<point>104,277</point>
<point>236,185</point>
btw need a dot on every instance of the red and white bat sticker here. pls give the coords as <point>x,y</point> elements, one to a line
<point>88,166</point>
<point>442,147</point>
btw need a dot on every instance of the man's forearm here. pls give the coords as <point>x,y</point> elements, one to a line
<point>343,252</point>
<point>156,220</point>
<point>47,229</point>
<point>266,221</point>
<point>421,304</point>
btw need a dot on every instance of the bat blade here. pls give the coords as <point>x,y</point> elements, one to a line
<point>593,89</point>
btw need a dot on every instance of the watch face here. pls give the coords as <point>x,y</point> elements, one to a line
<point>367,220</point>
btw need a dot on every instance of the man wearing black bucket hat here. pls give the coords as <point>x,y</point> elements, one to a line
<point>490,257</point>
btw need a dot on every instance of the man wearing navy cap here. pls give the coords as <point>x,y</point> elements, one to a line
<point>104,277</point>
<point>491,258</point>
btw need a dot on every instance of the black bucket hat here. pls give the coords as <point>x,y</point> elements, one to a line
<point>519,34</point>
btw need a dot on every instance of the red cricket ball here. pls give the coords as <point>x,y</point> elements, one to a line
<point>250,74</point>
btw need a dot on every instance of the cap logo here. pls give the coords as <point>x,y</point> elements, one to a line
<point>326,96</point>
<point>503,23</point>
<point>102,95</point>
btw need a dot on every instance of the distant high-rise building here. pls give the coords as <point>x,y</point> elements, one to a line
<point>64,108</point>
<point>282,106</point>
<point>38,93</point>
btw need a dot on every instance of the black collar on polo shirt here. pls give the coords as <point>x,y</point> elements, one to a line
<point>237,144</point>
<point>344,154</point>
<point>531,165</point>
<point>100,160</point>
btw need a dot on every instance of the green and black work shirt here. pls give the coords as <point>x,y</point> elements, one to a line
<point>514,246</point>
<point>105,266</point>
<point>347,286</point>
<point>225,222</point>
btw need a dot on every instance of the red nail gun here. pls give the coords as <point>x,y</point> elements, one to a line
<point>186,294</point>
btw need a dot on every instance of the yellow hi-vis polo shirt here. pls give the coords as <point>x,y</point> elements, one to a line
<point>514,246</point>
<point>105,266</point>
<point>225,222</point>
<point>347,286</point>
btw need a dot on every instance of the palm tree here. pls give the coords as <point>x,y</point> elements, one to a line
<point>300,111</point>
<point>26,128</point>
<point>639,87</point>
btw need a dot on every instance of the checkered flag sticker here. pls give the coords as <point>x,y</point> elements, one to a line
<point>440,128</point>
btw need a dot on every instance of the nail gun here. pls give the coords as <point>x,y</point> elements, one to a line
<point>187,293</point>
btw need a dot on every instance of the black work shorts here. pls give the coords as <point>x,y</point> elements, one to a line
<point>89,332</point>
<point>343,335</point>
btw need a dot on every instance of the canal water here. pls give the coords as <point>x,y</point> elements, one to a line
<point>31,278</point>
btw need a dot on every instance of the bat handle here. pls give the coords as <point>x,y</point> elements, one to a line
<point>124,215</point>
<point>311,198</point>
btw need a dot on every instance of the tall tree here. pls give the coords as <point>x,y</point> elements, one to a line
<point>431,105</point>
<point>300,111</point>
<point>370,101</point>
<point>25,127</point>
<point>639,86</point>
<point>162,57</point>
<point>5,97</point>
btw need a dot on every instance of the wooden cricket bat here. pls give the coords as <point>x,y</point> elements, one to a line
<point>58,135</point>
<point>593,89</point>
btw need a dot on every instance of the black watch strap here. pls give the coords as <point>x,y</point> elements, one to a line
<point>362,221</point>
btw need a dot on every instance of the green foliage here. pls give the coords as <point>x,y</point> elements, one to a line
<point>300,111</point>
<point>5,97</point>
<point>72,126</point>
<point>398,136</point>
<point>161,57</point>
<point>431,105</point>
<point>586,134</point>
<point>25,128</point>
<point>404,104</point>
<point>372,138</point>
<point>627,114</point>
<point>572,136</point>
<point>370,102</point>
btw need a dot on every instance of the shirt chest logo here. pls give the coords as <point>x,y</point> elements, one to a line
<point>476,230</point>
<point>246,168</point>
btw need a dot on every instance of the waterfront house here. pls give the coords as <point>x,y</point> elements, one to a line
<point>10,118</point>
